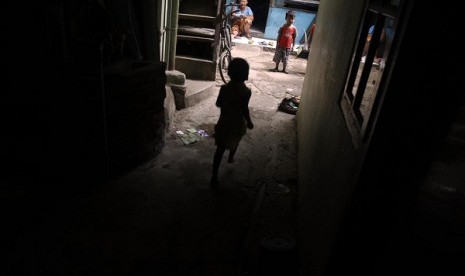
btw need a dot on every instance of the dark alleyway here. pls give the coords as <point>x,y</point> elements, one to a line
<point>162,218</point>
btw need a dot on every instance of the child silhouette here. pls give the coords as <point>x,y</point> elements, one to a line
<point>233,101</point>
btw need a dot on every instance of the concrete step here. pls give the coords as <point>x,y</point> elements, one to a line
<point>260,43</point>
<point>256,33</point>
<point>198,90</point>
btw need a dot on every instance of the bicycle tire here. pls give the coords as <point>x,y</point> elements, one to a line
<point>225,59</point>
<point>227,37</point>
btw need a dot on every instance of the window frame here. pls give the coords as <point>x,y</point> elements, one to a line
<point>377,13</point>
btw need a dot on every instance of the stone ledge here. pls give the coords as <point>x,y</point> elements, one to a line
<point>198,91</point>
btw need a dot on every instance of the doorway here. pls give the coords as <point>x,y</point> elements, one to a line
<point>260,11</point>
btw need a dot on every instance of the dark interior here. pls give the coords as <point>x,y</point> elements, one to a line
<point>260,10</point>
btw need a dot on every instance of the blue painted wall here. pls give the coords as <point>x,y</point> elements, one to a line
<point>276,18</point>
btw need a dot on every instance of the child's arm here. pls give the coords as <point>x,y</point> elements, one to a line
<point>294,35</point>
<point>248,14</point>
<point>279,35</point>
<point>235,15</point>
<point>247,112</point>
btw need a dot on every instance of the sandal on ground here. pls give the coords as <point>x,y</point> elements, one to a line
<point>295,100</point>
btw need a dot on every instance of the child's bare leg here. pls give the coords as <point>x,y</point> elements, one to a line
<point>235,31</point>
<point>284,68</point>
<point>232,152</point>
<point>216,165</point>
<point>247,24</point>
<point>276,67</point>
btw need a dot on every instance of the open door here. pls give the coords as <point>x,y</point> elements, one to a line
<point>260,11</point>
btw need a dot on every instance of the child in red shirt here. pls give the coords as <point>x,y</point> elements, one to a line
<point>285,42</point>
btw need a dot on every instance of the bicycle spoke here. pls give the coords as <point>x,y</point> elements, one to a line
<point>225,59</point>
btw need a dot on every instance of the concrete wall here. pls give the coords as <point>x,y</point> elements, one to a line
<point>276,18</point>
<point>328,162</point>
<point>52,109</point>
<point>355,205</point>
<point>135,115</point>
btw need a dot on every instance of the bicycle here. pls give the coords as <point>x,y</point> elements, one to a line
<point>225,40</point>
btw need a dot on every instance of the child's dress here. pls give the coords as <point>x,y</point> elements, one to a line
<point>233,99</point>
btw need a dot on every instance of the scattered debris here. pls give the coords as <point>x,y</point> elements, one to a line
<point>202,133</point>
<point>289,105</point>
<point>191,135</point>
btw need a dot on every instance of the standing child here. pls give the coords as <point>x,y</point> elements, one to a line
<point>233,101</point>
<point>285,42</point>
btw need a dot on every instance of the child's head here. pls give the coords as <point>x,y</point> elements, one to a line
<point>290,15</point>
<point>238,69</point>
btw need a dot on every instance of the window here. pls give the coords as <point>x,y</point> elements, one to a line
<point>367,74</point>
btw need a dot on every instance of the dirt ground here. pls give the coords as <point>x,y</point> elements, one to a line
<point>269,149</point>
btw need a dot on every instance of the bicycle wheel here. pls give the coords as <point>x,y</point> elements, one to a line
<point>225,59</point>
<point>227,37</point>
